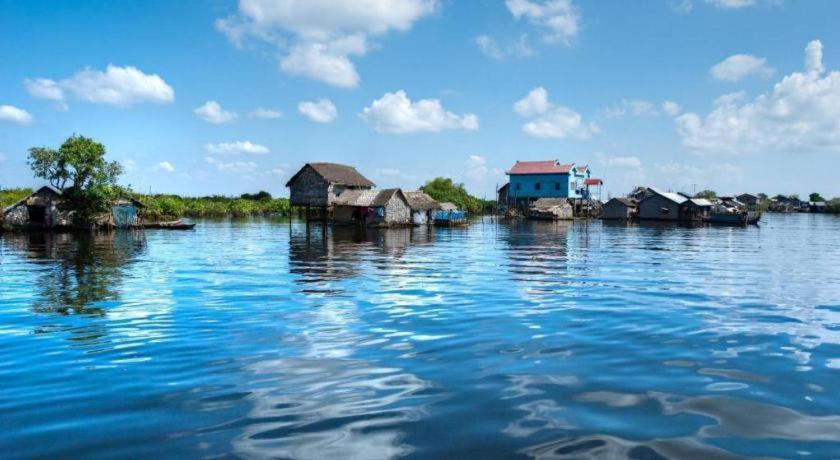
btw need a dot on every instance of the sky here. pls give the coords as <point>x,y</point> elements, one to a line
<point>226,97</point>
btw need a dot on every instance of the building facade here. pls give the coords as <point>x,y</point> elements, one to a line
<point>532,180</point>
<point>319,184</point>
<point>619,209</point>
<point>380,208</point>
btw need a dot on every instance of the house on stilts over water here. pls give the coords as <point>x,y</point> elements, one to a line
<point>316,186</point>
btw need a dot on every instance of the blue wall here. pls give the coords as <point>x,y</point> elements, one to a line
<point>525,185</point>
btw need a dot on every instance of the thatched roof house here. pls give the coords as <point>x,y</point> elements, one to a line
<point>372,207</point>
<point>318,184</point>
<point>40,209</point>
<point>422,206</point>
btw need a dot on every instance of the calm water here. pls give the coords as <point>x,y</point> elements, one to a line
<point>253,339</point>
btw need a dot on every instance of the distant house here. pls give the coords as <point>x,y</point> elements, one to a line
<point>388,207</point>
<point>551,209</point>
<point>41,209</point>
<point>447,206</point>
<point>422,206</point>
<point>748,199</point>
<point>696,209</point>
<point>319,184</point>
<point>661,205</point>
<point>817,206</point>
<point>532,180</point>
<point>619,208</point>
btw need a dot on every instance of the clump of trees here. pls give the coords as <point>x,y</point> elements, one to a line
<point>443,189</point>
<point>707,194</point>
<point>78,168</point>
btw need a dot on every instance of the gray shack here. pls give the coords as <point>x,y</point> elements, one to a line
<point>551,209</point>
<point>619,208</point>
<point>660,205</point>
<point>41,210</point>
<point>422,207</point>
<point>319,184</point>
<point>380,208</point>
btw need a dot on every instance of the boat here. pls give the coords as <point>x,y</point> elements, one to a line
<point>173,225</point>
<point>734,218</point>
<point>451,219</point>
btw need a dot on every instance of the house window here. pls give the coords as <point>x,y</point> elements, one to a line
<point>537,186</point>
<point>518,186</point>
<point>557,186</point>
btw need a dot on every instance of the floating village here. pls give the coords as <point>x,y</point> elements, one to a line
<point>339,194</point>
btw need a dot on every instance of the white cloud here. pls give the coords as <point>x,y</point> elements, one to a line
<point>15,115</point>
<point>671,108</point>
<point>317,38</point>
<point>558,19</point>
<point>118,86</point>
<point>739,66</point>
<point>725,177</point>
<point>801,113</point>
<point>238,167</point>
<point>632,162</point>
<point>635,107</point>
<point>492,49</point>
<point>164,166</point>
<point>212,112</point>
<point>320,111</point>
<point>476,168</point>
<point>396,113</point>
<point>731,4</point>
<point>551,121</point>
<point>266,113</point>
<point>813,57</point>
<point>682,6</point>
<point>238,147</point>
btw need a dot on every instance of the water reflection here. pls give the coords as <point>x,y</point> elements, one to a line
<point>75,271</point>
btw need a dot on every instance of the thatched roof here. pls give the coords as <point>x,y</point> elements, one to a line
<point>447,206</point>
<point>368,198</point>
<point>25,200</point>
<point>336,174</point>
<point>419,201</point>
<point>548,203</point>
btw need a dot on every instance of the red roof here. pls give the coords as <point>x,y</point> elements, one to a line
<point>582,169</point>
<point>593,181</point>
<point>539,167</point>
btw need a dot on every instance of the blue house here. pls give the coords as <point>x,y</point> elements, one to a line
<point>532,180</point>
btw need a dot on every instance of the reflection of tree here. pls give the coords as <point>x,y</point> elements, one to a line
<point>77,270</point>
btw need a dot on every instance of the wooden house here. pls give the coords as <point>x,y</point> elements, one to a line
<point>422,207</point>
<point>43,209</point>
<point>317,185</point>
<point>532,180</point>
<point>385,208</point>
<point>619,208</point>
<point>661,205</point>
<point>551,209</point>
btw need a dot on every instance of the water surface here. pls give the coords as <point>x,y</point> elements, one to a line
<point>260,339</point>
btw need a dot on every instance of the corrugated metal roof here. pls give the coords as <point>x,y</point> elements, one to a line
<point>675,197</point>
<point>593,181</point>
<point>540,167</point>
<point>701,202</point>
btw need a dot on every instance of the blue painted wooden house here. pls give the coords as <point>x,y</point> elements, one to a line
<point>532,180</point>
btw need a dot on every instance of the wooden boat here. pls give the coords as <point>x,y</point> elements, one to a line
<point>173,225</point>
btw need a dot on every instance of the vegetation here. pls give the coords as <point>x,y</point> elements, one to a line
<point>707,194</point>
<point>442,189</point>
<point>815,197</point>
<point>11,196</point>
<point>173,206</point>
<point>78,168</point>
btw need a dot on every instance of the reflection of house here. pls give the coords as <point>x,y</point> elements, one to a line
<point>422,206</point>
<point>41,209</point>
<point>619,208</point>
<point>532,180</point>
<point>551,209</point>
<point>387,207</point>
<point>319,184</point>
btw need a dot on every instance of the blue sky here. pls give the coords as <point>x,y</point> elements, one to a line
<point>226,97</point>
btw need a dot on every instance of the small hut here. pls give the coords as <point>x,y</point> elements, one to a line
<point>125,213</point>
<point>380,208</point>
<point>42,209</point>
<point>696,209</point>
<point>619,208</point>
<point>422,206</point>
<point>661,205</point>
<point>551,209</point>
<point>319,184</point>
<point>449,216</point>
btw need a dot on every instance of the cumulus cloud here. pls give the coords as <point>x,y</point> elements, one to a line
<point>212,112</point>
<point>238,167</point>
<point>799,114</point>
<point>477,169</point>
<point>15,115</point>
<point>238,147</point>
<point>671,108</point>
<point>731,4</point>
<point>559,20</point>
<point>549,120</point>
<point>396,113</point>
<point>320,111</point>
<point>117,86</point>
<point>266,113</point>
<point>318,38</point>
<point>739,66</point>
<point>492,49</point>
<point>164,166</point>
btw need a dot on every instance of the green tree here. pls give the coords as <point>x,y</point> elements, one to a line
<point>442,189</point>
<point>80,170</point>
<point>707,194</point>
<point>815,197</point>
